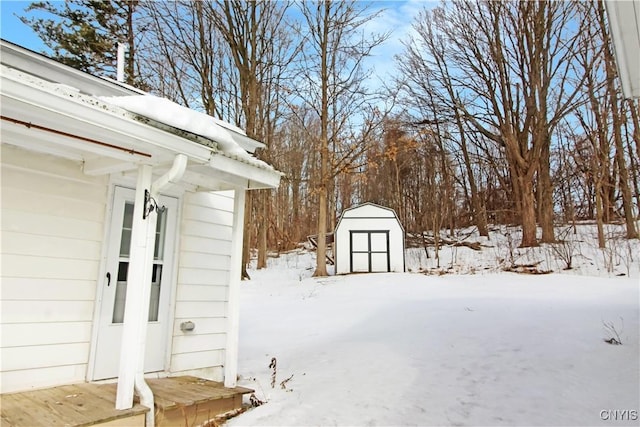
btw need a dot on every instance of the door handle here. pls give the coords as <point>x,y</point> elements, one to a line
<point>108,278</point>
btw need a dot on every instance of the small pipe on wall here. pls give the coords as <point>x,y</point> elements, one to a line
<point>71,135</point>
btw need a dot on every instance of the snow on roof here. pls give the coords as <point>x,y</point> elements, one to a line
<point>177,116</point>
<point>229,139</point>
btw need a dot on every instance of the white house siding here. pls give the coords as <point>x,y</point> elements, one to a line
<point>202,290</point>
<point>52,228</point>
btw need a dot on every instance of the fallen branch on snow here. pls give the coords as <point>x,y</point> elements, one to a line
<point>531,268</point>
<point>283,384</point>
<point>420,241</point>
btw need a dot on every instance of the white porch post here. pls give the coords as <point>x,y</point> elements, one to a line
<point>136,310</point>
<point>233,311</point>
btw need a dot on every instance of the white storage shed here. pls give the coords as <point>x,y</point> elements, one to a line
<point>369,238</point>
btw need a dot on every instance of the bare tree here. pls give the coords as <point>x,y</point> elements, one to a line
<point>261,49</point>
<point>184,60</point>
<point>603,119</point>
<point>506,70</point>
<point>430,90</point>
<point>229,58</point>
<point>332,86</point>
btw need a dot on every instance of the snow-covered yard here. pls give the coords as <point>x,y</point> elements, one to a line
<point>416,349</point>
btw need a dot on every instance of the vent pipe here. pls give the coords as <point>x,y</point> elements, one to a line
<point>120,63</point>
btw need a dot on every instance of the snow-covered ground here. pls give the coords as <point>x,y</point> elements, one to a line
<point>482,348</point>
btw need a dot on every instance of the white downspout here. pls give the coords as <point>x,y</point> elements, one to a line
<point>146,398</point>
<point>136,314</point>
<point>172,176</point>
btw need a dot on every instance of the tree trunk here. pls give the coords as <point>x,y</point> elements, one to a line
<point>323,188</point>
<point>516,188</point>
<point>477,209</point>
<point>321,261</point>
<point>634,108</point>
<point>546,194</point>
<point>599,215</point>
<point>262,229</point>
<point>295,202</point>
<point>246,239</point>
<point>635,168</point>
<point>528,213</point>
<point>627,201</point>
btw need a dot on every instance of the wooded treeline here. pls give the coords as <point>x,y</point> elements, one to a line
<point>498,112</point>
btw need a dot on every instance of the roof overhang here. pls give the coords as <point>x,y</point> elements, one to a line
<point>55,119</point>
<point>624,23</point>
<point>51,70</point>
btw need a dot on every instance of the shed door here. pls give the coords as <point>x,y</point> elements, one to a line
<point>369,251</point>
<point>107,352</point>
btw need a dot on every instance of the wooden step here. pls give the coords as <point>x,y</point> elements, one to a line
<point>187,401</point>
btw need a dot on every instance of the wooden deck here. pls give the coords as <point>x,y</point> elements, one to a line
<point>69,405</point>
<point>180,401</point>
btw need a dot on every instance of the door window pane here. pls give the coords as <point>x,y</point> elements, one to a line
<point>154,302</point>
<point>127,222</point>
<point>379,262</point>
<point>121,293</point>
<point>360,262</point>
<point>378,242</point>
<point>360,242</point>
<point>161,227</point>
<point>123,267</point>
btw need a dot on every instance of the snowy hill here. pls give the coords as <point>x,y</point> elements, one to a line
<point>577,246</point>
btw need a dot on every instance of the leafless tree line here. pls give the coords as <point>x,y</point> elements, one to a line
<point>293,76</point>
<point>501,112</point>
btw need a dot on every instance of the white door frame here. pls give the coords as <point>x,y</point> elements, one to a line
<point>170,274</point>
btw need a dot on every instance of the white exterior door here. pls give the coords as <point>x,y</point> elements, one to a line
<point>109,337</point>
<point>369,251</point>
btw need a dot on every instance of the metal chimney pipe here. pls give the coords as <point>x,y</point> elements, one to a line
<point>120,64</point>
